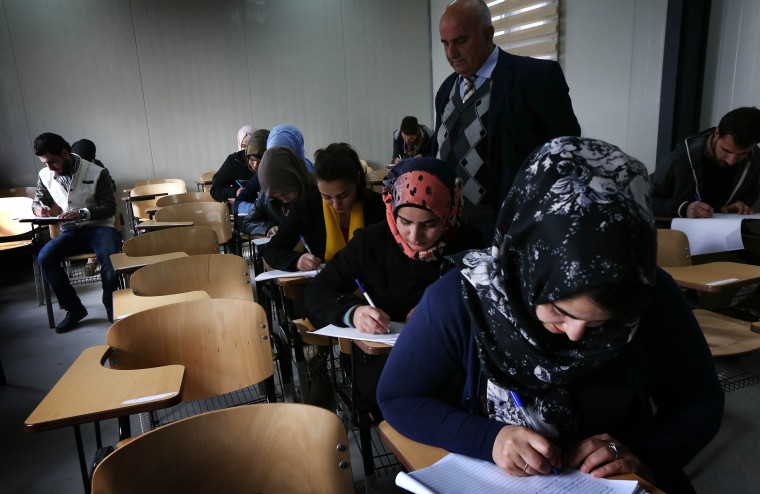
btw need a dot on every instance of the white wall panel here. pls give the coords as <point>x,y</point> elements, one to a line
<point>732,71</point>
<point>79,77</point>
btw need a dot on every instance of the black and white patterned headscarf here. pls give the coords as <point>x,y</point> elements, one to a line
<point>578,215</point>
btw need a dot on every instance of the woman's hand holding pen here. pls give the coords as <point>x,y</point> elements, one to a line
<point>601,455</point>
<point>522,452</point>
<point>368,319</point>
<point>698,209</point>
<point>308,262</point>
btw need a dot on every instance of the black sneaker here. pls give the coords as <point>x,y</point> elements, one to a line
<point>73,316</point>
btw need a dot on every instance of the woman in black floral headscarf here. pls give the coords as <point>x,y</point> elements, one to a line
<point>567,312</point>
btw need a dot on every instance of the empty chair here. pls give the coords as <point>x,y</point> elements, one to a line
<point>14,235</point>
<point>173,199</point>
<point>212,214</point>
<point>206,179</point>
<point>160,181</point>
<point>138,210</point>
<point>280,447</point>
<point>192,240</point>
<point>220,275</point>
<point>223,343</point>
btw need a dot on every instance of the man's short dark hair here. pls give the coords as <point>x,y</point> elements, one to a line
<point>410,126</point>
<point>743,124</point>
<point>49,143</point>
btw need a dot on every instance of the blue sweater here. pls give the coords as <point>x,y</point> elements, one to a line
<point>430,389</point>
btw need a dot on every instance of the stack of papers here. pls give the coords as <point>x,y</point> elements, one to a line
<point>355,334</point>
<point>462,474</point>
<point>721,233</point>
<point>276,273</point>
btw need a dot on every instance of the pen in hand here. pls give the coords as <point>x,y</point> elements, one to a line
<point>369,300</point>
<point>305,245</point>
<point>527,418</point>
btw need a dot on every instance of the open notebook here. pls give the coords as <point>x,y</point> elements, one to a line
<point>455,474</point>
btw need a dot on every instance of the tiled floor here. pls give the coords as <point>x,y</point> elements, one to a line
<point>34,358</point>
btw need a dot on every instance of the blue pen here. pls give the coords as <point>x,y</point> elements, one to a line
<point>240,183</point>
<point>366,295</point>
<point>527,418</point>
<point>305,245</point>
<point>696,197</point>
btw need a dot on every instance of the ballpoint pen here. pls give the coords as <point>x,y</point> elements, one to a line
<point>527,418</point>
<point>305,245</point>
<point>366,296</point>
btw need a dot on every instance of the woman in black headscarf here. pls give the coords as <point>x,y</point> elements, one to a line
<point>568,312</point>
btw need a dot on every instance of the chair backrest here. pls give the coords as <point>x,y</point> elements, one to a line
<point>192,240</point>
<point>160,181</point>
<point>219,275</point>
<point>207,177</point>
<point>212,214</point>
<point>223,344</point>
<point>139,207</point>
<point>672,248</point>
<point>270,447</point>
<point>14,207</point>
<point>173,199</point>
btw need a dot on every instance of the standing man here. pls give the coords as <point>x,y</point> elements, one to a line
<point>494,110</point>
<point>84,192</point>
<point>715,170</point>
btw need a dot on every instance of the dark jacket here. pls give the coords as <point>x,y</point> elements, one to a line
<point>394,281</point>
<point>529,105</point>
<point>224,185</point>
<point>249,193</point>
<point>678,178</point>
<point>307,218</point>
<point>668,364</point>
<point>426,145</point>
<point>266,213</point>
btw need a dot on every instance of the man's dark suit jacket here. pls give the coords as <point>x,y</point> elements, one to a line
<point>529,105</point>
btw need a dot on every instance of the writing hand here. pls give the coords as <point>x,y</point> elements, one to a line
<point>396,161</point>
<point>737,207</point>
<point>42,211</point>
<point>522,452</point>
<point>308,262</point>
<point>601,455</point>
<point>699,209</point>
<point>273,231</point>
<point>371,320</point>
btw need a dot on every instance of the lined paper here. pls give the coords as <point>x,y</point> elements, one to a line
<point>456,474</point>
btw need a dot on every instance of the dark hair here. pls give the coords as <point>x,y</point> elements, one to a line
<point>339,161</point>
<point>743,124</point>
<point>85,148</point>
<point>49,143</point>
<point>409,126</point>
<point>624,301</point>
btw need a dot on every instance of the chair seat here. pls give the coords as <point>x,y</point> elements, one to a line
<point>725,335</point>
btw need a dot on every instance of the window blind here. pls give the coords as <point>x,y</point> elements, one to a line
<point>526,27</point>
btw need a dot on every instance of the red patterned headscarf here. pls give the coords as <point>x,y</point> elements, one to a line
<point>427,183</point>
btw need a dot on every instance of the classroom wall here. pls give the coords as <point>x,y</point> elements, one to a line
<point>161,86</point>
<point>732,68</point>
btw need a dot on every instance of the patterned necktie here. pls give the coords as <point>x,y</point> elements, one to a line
<point>469,87</point>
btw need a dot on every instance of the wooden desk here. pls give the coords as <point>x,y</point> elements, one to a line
<point>125,302</point>
<point>715,276</point>
<point>153,225</point>
<point>414,455</point>
<point>89,392</point>
<point>144,197</point>
<point>199,184</point>
<point>124,265</point>
<point>373,347</point>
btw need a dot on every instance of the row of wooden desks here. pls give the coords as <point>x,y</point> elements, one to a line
<point>715,276</point>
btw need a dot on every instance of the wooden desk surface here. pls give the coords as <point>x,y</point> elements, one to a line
<point>123,263</point>
<point>414,455</point>
<point>715,276</point>
<point>144,197</point>
<point>125,302</point>
<point>88,392</point>
<point>373,347</point>
<point>152,225</point>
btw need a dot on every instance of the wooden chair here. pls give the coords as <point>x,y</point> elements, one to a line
<point>173,199</point>
<point>160,181</point>
<point>204,184</point>
<point>375,179</point>
<point>15,235</point>
<point>223,343</point>
<point>279,447</point>
<point>193,240</point>
<point>138,207</point>
<point>212,214</point>
<point>213,275</point>
<point>725,335</point>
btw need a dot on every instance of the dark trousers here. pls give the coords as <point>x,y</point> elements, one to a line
<point>101,240</point>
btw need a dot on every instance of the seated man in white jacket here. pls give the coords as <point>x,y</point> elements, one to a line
<point>84,192</point>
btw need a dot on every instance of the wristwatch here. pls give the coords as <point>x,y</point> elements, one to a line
<point>83,214</point>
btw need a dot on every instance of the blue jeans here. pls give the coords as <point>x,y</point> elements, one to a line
<point>102,240</point>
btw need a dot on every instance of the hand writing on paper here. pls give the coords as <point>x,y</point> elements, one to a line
<point>522,452</point>
<point>699,209</point>
<point>601,455</point>
<point>308,262</point>
<point>42,211</point>
<point>737,207</point>
<point>370,320</point>
<point>273,231</point>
